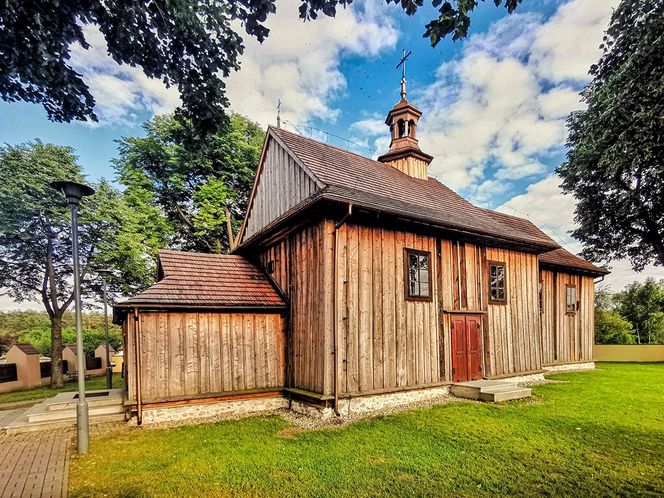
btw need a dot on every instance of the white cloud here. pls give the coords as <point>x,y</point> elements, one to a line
<point>495,113</point>
<point>565,47</point>
<point>120,91</point>
<point>298,63</point>
<point>547,207</point>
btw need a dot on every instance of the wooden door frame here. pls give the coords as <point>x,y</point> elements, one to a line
<point>480,333</point>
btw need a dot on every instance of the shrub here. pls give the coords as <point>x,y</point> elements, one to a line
<point>611,328</point>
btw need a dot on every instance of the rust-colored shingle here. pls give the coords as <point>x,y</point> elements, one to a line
<point>353,178</point>
<point>208,280</point>
<point>560,258</point>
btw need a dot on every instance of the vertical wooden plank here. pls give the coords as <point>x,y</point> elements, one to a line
<point>203,352</point>
<point>401,312</point>
<point>353,311</point>
<point>377,305</point>
<point>365,342</point>
<point>388,303</point>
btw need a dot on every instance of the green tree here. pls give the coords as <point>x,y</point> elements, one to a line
<point>189,44</point>
<point>35,244</point>
<point>615,164</point>
<point>611,328</point>
<point>195,189</point>
<point>642,304</point>
<point>34,327</point>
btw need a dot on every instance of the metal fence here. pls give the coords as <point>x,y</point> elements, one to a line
<point>93,363</point>
<point>8,372</point>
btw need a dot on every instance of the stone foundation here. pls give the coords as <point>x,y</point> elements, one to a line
<point>530,379</point>
<point>214,410</point>
<point>570,367</point>
<point>370,404</point>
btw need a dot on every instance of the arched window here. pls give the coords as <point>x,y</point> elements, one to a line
<point>401,125</point>
<point>411,128</point>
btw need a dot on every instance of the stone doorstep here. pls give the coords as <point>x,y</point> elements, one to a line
<point>489,390</point>
<point>504,393</point>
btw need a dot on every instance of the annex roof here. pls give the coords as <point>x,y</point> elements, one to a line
<point>560,258</point>
<point>349,177</point>
<point>209,281</point>
<point>28,349</point>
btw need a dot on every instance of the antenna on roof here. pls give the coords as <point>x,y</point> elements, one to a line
<point>279,114</point>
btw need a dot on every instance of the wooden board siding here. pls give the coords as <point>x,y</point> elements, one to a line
<point>462,282</point>
<point>303,267</point>
<point>199,354</point>
<point>567,337</point>
<point>277,258</point>
<point>386,341</point>
<point>513,341</point>
<point>281,184</point>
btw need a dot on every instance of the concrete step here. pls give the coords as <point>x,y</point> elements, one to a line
<point>21,426</point>
<point>493,391</point>
<point>506,393</point>
<point>66,401</point>
<point>70,413</point>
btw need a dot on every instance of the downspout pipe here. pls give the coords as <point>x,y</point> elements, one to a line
<point>337,226</point>
<point>137,355</point>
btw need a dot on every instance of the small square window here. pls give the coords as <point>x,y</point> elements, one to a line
<point>570,302</point>
<point>270,267</point>
<point>497,292</point>
<point>417,274</point>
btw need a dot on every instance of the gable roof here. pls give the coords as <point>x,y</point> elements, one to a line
<point>560,258</point>
<point>28,349</point>
<point>349,177</point>
<point>209,281</point>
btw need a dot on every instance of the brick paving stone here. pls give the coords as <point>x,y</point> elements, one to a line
<point>35,464</point>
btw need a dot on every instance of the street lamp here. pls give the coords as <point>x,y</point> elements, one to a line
<point>104,273</point>
<point>74,192</point>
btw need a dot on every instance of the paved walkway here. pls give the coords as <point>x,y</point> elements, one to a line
<point>35,464</point>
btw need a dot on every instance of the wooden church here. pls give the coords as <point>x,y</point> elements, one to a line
<point>353,278</point>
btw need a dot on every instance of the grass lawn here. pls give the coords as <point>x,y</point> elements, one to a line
<point>46,392</point>
<point>599,433</point>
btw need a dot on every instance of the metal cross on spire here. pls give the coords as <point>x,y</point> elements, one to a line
<point>402,65</point>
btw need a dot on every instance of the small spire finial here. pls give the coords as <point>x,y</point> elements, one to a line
<point>402,64</point>
<point>279,114</point>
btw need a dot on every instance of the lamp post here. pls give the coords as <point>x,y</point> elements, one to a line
<point>74,192</point>
<point>104,273</point>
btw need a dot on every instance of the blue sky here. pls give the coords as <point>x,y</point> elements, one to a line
<point>494,105</point>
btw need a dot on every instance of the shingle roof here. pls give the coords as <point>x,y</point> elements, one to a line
<point>26,348</point>
<point>353,178</point>
<point>565,259</point>
<point>208,280</point>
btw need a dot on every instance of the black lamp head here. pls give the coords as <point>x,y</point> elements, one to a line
<point>103,272</point>
<point>73,191</point>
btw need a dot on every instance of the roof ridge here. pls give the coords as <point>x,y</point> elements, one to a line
<point>327,145</point>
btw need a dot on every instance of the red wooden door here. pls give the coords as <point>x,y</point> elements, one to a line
<point>466,348</point>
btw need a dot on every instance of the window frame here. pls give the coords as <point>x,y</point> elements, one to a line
<point>540,296</point>
<point>504,265</point>
<point>407,252</point>
<point>567,304</point>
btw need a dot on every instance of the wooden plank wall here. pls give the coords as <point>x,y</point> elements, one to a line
<point>186,355</point>
<point>513,342</point>
<point>462,288</point>
<point>386,342</point>
<point>279,255</point>
<point>567,337</point>
<point>282,184</point>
